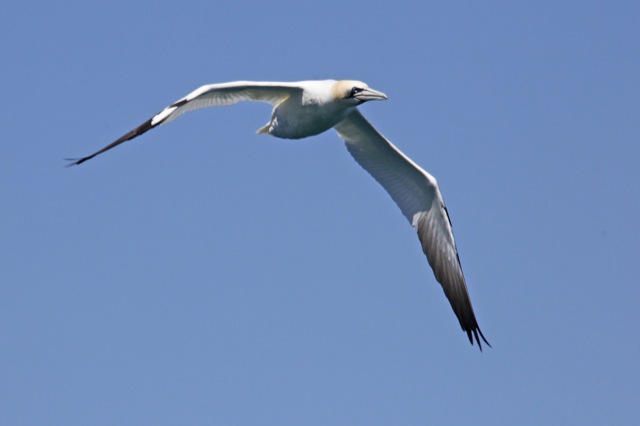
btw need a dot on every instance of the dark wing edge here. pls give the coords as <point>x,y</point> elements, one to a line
<point>143,128</point>
<point>417,194</point>
<point>205,96</point>
<point>447,269</point>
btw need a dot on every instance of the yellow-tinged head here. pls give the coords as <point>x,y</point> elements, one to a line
<point>356,91</point>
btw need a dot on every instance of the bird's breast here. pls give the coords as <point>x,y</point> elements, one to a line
<point>296,121</point>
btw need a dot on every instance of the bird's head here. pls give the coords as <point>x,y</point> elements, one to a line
<point>355,92</point>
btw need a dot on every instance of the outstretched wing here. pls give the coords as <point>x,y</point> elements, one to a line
<point>417,194</point>
<point>208,96</point>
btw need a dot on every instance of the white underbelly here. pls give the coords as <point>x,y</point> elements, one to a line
<point>302,122</point>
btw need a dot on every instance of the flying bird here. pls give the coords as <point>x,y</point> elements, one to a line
<point>307,108</point>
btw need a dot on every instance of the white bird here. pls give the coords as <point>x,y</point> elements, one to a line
<point>308,108</point>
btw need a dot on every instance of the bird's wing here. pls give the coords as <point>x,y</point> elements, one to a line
<point>417,194</point>
<point>208,96</point>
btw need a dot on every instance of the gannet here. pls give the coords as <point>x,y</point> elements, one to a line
<point>308,108</point>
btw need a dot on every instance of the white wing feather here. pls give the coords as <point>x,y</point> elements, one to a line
<point>208,96</point>
<point>228,94</point>
<point>417,194</point>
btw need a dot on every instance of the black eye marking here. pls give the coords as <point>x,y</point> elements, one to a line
<point>354,91</point>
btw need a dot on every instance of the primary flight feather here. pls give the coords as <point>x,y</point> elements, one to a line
<point>308,108</point>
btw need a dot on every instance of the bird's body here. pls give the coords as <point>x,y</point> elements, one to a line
<point>308,108</point>
<point>304,113</point>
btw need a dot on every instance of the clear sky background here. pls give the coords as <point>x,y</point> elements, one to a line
<point>206,275</point>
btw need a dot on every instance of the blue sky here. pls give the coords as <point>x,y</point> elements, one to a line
<point>204,274</point>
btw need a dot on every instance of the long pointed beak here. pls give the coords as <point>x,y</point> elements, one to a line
<point>370,95</point>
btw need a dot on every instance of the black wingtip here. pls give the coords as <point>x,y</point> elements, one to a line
<point>76,161</point>
<point>144,127</point>
<point>475,332</point>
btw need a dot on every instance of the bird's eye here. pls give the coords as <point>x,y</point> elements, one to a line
<point>354,91</point>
